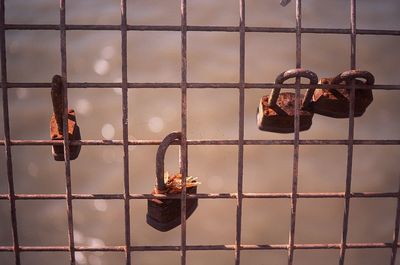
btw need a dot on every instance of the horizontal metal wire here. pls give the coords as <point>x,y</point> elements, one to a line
<point>200,142</point>
<point>162,85</point>
<point>202,28</point>
<point>285,195</point>
<point>197,247</point>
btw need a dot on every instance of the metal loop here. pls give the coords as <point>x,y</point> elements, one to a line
<point>161,155</point>
<point>57,91</point>
<point>350,75</point>
<point>282,77</point>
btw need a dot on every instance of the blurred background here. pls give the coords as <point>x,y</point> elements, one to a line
<point>95,56</point>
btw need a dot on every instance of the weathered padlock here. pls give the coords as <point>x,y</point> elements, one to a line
<point>336,102</point>
<point>56,122</point>
<point>276,112</point>
<point>165,214</point>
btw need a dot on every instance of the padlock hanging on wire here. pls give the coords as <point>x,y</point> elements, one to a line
<point>275,113</point>
<point>335,103</point>
<point>165,214</point>
<point>56,122</point>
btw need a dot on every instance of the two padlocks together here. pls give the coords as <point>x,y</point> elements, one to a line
<point>162,214</point>
<point>276,112</point>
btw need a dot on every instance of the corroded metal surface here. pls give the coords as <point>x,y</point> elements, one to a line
<point>280,118</point>
<point>335,103</point>
<point>276,113</point>
<point>165,214</point>
<point>56,122</point>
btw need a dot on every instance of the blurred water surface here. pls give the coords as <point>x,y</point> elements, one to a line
<point>95,56</point>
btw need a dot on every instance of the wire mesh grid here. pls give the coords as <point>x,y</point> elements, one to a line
<point>184,85</point>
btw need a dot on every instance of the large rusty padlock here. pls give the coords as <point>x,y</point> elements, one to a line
<point>276,112</point>
<point>56,122</point>
<point>336,102</point>
<point>165,214</point>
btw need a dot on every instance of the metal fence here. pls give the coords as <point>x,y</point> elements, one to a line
<point>241,86</point>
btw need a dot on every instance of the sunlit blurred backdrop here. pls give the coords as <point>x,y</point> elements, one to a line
<point>95,56</point>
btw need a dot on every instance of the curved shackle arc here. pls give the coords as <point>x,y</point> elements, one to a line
<point>161,155</point>
<point>282,77</point>
<point>352,75</point>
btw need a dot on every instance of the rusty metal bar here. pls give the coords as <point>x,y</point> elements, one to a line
<point>184,146</point>
<point>89,85</point>
<point>296,146</point>
<point>242,50</point>
<point>199,247</point>
<point>68,185</point>
<point>6,124</point>
<point>124,84</point>
<point>203,28</point>
<point>247,195</point>
<point>201,142</point>
<point>396,231</point>
<point>351,136</point>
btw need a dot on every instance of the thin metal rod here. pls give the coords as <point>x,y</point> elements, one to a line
<point>396,230</point>
<point>350,137</point>
<point>6,125</point>
<point>184,146</point>
<point>202,142</point>
<point>138,196</point>
<point>124,83</point>
<point>89,85</point>
<point>203,28</point>
<point>293,202</point>
<point>68,185</point>
<point>242,22</point>
<point>199,247</point>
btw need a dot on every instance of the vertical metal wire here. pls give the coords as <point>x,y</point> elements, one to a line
<point>184,147</point>
<point>293,205</point>
<point>7,144</point>
<point>63,45</point>
<point>241,132</point>
<point>396,230</point>
<point>350,136</point>
<point>124,59</point>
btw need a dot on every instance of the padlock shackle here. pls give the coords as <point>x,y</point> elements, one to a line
<point>57,97</point>
<point>350,75</point>
<point>282,77</point>
<point>162,149</point>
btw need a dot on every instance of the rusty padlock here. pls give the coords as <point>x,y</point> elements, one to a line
<point>335,103</point>
<point>276,112</point>
<point>56,122</point>
<point>165,214</point>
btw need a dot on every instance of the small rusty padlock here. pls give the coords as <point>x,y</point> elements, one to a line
<point>56,122</point>
<point>276,112</point>
<point>335,103</point>
<point>165,214</point>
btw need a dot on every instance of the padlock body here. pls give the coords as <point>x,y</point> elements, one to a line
<point>73,133</point>
<point>335,103</point>
<point>165,214</point>
<point>280,119</point>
